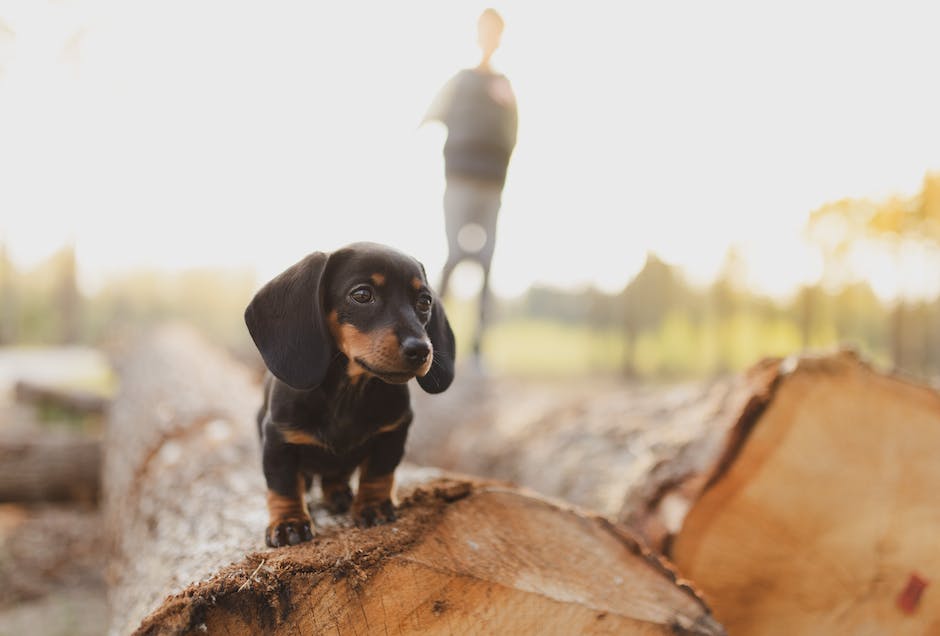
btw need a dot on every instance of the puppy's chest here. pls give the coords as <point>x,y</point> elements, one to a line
<point>342,432</point>
<point>348,420</point>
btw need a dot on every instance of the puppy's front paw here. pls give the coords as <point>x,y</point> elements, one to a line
<point>338,500</point>
<point>288,532</point>
<point>373,514</point>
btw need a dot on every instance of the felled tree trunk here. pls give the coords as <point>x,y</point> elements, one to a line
<point>659,499</point>
<point>180,480</point>
<point>617,449</point>
<point>52,467</point>
<point>801,496</point>
<point>184,502</point>
<point>822,516</point>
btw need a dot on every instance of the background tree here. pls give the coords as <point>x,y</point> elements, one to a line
<point>907,228</point>
<point>68,296</point>
<point>645,301</point>
<point>8,311</point>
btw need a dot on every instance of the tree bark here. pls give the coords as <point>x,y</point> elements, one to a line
<point>184,503</point>
<point>51,467</point>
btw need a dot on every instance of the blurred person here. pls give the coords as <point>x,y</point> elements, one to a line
<point>478,107</point>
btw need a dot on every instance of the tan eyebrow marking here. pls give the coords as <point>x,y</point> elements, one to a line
<point>417,283</point>
<point>378,279</point>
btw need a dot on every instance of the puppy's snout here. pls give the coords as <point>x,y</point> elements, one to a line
<point>415,350</point>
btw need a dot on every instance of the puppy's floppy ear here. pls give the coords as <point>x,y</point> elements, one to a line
<point>441,373</point>
<point>287,323</point>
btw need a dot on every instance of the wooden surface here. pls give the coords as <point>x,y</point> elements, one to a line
<point>182,487</point>
<point>826,509</point>
<point>494,561</point>
<point>184,503</point>
<point>49,466</point>
<point>629,451</point>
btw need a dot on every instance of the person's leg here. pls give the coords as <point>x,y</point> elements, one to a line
<point>489,199</point>
<point>455,203</point>
<point>484,313</point>
<point>452,261</point>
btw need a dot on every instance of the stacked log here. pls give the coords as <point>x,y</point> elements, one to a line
<point>800,496</point>
<point>823,513</point>
<point>184,500</point>
<point>51,466</point>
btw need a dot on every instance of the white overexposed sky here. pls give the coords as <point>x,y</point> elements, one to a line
<point>181,133</point>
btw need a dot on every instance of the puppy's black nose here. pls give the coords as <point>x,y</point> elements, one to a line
<point>415,350</point>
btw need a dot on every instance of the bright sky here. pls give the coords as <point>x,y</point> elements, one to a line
<point>185,133</point>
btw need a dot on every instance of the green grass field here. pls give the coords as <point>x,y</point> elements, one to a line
<point>677,349</point>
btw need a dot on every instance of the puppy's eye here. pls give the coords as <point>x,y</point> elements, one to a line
<point>424,303</point>
<point>362,294</point>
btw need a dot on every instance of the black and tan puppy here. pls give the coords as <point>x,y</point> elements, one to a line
<point>342,334</point>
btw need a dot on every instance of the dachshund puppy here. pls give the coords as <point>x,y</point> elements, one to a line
<point>342,334</point>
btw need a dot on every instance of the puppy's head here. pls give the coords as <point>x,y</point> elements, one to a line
<point>369,302</point>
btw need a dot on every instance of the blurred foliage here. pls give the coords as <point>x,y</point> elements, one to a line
<point>908,227</point>
<point>658,326</point>
<point>212,300</point>
<point>56,417</point>
<point>706,331</point>
<point>43,306</point>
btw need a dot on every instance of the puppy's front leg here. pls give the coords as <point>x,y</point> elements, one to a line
<point>374,499</point>
<point>290,521</point>
<point>337,495</point>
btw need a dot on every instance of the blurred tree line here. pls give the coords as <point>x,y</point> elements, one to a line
<point>668,328</point>
<point>44,306</point>
<point>658,326</point>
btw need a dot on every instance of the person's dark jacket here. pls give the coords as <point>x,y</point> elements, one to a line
<point>479,110</point>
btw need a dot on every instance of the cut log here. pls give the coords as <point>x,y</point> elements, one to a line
<point>823,514</point>
<point>49,466</point>
<point>657,503</point>
<point>618,449</point>
<point>811,484</point>
<point>184,503</point>
<point>465,557</point>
